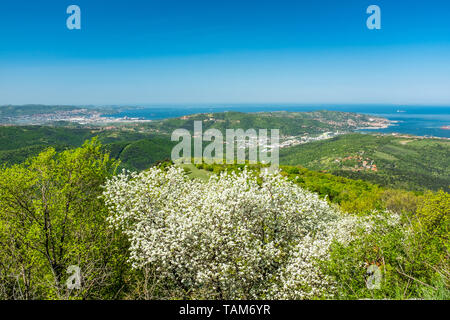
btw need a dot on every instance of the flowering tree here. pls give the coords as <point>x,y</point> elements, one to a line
<point>237,236</point>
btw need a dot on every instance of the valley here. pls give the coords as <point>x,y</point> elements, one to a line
<point>322,141</point>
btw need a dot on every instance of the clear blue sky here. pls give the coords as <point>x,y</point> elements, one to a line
<point>224,51</point>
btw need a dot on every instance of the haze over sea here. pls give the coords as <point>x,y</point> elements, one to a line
<point>415,120</point>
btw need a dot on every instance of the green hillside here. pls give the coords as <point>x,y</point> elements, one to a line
<point>141,154</point>
<point>403,162</point>
<point>352,196</point>
<point>289,123</point>
<point>396,161</point>
<point>136,150</point>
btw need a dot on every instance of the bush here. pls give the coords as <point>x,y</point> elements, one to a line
<point>410,250</point>
<point>239,236</point>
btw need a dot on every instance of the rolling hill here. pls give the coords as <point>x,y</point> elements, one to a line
<point>406,162</point>
<point>136,150</point>
<point>289,123</point>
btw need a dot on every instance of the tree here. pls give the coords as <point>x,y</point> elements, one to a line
<point>51,218</point>
<point>238,236</point>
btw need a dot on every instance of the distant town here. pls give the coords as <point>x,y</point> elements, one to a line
<point>81,116</point>
<point>101,118</point>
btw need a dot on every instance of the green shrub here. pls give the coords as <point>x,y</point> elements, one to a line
<point>412,254</point>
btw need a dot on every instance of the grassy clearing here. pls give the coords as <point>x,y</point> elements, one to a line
<point>195,173</point>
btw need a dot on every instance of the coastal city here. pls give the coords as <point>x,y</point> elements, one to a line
<point>81,116</point>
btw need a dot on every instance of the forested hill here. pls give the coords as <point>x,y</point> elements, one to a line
<point>397,161</point>
<point>137,150</point>
<point>404,162</point>
<point>289,123</point>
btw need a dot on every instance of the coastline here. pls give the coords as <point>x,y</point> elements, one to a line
<point>417,121</point>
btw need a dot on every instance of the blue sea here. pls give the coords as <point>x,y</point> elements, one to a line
<point>416,120</point>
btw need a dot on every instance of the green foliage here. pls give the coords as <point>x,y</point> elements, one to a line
<point>135,149</point>
<point>413,254</point>
<point>400,162</point>
<point>400,201</point>
<point>409,163</point>
<point>141,154</point>
<point>51,217</point>
<point>353,196</point>
<point>379,245</point>
<point>431,226</point>
<point>12,138</point>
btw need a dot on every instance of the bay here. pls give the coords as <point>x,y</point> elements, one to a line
<point>415,120</point>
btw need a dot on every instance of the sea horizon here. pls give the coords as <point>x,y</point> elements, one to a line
<point>406,119</point>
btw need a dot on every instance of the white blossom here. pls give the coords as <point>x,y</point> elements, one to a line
<point>238,236</point>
